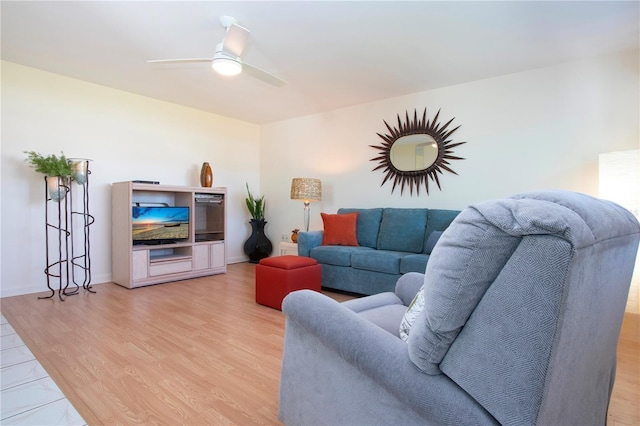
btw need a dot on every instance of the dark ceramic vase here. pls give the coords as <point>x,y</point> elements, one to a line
<point>258,246</point>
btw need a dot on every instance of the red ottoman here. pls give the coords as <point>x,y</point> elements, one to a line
<point>278,276</point>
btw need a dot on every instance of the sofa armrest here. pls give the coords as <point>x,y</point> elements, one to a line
<point>308,240</point>
<point>369,349</point>
<point>408,286</point>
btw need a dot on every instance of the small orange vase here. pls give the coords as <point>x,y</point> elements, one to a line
<point>206,175</point>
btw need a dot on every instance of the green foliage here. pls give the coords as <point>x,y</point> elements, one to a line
<point>255,205</point>
<point>50,165</point>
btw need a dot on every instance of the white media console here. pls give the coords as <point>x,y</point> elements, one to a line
<point>202,253</point>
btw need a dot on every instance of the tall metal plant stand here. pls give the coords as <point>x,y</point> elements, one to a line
<point>57,235</point>
<point>67,243</point>
<point>80,245</point>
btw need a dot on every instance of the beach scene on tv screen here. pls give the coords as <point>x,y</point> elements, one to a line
<point>160,223</point>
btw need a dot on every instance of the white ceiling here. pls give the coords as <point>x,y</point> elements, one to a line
<point>331,54</point>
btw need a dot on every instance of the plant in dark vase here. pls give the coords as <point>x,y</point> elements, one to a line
<point>56,169</point>
<point>257,246</point>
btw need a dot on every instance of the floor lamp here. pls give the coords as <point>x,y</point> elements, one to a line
<point>307,190</point>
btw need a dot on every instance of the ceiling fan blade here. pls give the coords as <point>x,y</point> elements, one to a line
<point>230,50</point>
<point>235,40</point>
<point>262,75</point>
<point>173,61</point>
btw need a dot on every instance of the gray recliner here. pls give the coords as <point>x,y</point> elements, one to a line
<point>523,303</point>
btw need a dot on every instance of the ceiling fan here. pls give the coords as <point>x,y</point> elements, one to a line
<point>226,60</point>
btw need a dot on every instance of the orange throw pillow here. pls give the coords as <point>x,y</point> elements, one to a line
<point>339,229</point>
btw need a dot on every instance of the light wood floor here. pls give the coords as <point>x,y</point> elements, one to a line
<point>194,352</point>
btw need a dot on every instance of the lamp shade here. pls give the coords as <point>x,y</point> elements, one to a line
<point>306,189</point>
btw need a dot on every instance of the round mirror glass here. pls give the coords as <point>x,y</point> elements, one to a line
<point>414,152</point>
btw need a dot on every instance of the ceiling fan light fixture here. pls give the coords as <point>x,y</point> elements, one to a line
<point>226,66</point>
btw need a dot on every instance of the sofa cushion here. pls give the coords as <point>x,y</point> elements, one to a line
<point>437,220</point>
<point>402,230</point>
<point>361,304</point>
<point>384,261</point>
<point>337,255</point>
<point>385,317</point>
<point>466,260</point>
<point>368,225</point>
<point>339,229</point>
<point>414,263</point>
<point>431,241</point>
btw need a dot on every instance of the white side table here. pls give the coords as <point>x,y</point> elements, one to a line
<point>287,248</point>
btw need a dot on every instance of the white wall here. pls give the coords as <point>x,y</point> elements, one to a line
<point>533,130</point>
<point>539,129</point>
<point>128,137</point>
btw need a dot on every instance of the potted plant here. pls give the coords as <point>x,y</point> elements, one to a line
<point>255,205</point>
<point>258,246</point>
<point>57,169</point>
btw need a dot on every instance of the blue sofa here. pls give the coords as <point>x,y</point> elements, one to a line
<point>392,242</point>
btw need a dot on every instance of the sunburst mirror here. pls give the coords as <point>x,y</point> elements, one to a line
<point>415,152</point>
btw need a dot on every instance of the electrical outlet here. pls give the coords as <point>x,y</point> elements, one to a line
<point>283,237</point>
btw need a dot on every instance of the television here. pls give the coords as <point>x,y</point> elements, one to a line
<point>159,224</point>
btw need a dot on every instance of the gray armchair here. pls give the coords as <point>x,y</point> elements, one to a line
<point>523,302</point>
